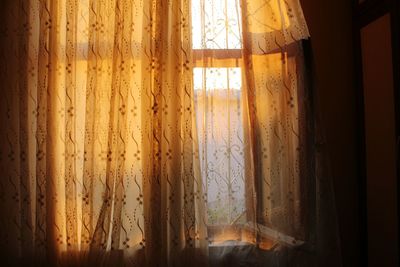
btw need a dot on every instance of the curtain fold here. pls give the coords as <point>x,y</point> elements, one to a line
<point>156,133</point>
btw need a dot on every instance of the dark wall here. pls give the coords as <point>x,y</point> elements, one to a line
<point>330,25</point>
<point>380,140</point>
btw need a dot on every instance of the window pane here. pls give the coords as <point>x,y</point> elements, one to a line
<point>217,78</point>
<point>216,24</point>
<point>220,128</point>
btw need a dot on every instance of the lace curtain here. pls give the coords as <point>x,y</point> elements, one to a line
<point>158,133</point>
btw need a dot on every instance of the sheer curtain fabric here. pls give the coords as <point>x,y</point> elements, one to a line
<point>152,133</point>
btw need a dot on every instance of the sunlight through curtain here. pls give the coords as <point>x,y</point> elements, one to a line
<point>156,133</point>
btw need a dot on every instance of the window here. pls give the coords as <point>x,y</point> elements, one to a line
<point>219,25</point>
<point>219,121</point>
<point>222,117</point>
<point>218,88</point>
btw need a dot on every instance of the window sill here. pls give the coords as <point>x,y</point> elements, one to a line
<point>242,235</point>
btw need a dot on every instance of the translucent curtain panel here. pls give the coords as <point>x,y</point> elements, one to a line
<point>158,133</point>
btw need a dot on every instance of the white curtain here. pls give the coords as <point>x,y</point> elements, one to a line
<point>158,133</point>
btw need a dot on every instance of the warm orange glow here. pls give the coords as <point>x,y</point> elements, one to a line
<point>227,234</point>
<point>263,14</point>
<point>230,233</point>
<point>267,244</point>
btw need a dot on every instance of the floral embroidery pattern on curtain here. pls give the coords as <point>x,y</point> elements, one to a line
<point>148,133</point>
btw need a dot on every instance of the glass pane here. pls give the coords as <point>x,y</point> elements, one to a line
<point>217,78</point>
<point>219,120</point>
<point>218,22</point>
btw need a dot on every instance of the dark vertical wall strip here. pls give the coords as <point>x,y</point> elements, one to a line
<point>360,143</point>
<point>395,24</point>
<point>332,48</point>
<point>364,14</point>
<point>380,142</point>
